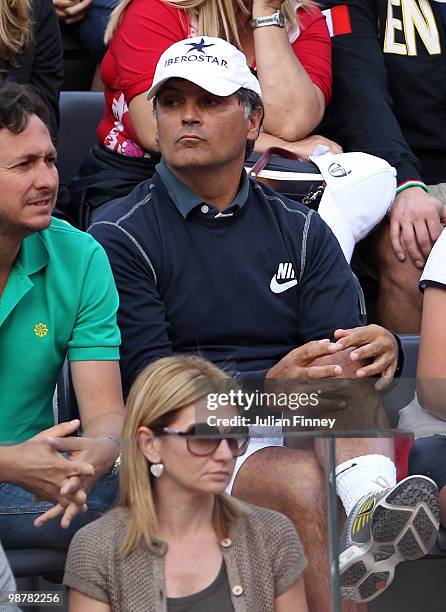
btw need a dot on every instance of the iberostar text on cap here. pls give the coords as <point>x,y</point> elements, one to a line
<point>211,63</point>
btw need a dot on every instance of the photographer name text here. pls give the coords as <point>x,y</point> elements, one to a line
<point>296,420</point>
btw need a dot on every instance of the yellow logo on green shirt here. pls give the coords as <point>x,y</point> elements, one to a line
<point>40,330</point>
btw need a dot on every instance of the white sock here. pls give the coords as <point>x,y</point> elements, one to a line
<point>360,476</point>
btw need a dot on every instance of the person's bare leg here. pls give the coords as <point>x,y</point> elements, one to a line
<point>347,448</point>
<point>292,482</point>
<point>399,299</point>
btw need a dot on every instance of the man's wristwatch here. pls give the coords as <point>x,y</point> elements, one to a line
<point>276,19</point>
<point>117,463</point>
<point>116,466</point>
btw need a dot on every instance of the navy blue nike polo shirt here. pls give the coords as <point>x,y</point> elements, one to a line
<point>241,287</point>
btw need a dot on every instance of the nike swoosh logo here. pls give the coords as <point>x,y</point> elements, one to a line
<point>281,287</point>
<point>349,467</point>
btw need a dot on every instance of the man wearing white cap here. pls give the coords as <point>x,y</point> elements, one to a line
<point>206,260</point>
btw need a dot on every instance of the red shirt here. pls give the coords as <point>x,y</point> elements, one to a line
<point>147,29</point>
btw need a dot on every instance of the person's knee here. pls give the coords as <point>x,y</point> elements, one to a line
<point>401,274</point>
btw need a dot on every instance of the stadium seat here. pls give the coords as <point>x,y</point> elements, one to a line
<point>64,403</point>
<point>80,114</point>
<point>361,300</point>
<point>28,562</point>
<point>39,570</point>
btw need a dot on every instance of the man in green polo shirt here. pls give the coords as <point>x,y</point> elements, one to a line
<point>57,299</point>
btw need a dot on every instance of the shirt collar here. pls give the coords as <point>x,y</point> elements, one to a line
<point>33,254</point>
<point>186,200</point>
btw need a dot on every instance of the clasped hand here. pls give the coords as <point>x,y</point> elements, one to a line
<point>64,480</point>
<point>99,453</point>
<point>372,347</point>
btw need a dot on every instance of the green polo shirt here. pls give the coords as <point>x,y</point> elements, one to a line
<point>60,299</point>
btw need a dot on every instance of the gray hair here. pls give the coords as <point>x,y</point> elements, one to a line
<point>250,100</point>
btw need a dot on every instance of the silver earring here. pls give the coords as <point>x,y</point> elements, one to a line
<point>156,469</point>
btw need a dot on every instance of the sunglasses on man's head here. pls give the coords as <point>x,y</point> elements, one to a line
<point>203,439</point>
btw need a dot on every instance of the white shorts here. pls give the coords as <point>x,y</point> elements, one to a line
<point>415,418</point>
<point>257,442</point>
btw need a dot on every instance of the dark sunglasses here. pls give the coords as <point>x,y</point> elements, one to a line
<point>203,439</point>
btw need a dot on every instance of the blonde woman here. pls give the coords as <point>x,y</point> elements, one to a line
<point>293,64</point>
<point>31,49</point>
<point>177,541</point>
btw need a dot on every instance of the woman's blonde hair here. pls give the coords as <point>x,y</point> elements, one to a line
<point>15,28</point>
<point>159,392</point>
<point>214,17</point>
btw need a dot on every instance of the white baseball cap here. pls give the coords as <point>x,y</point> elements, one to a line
<point>211,63</point>
<point>360,190</point>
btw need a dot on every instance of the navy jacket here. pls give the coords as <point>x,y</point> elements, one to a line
<point>241,290</point>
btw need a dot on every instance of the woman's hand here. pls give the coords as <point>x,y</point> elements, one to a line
<point>307,146</point>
